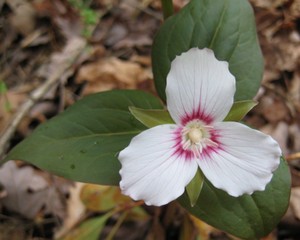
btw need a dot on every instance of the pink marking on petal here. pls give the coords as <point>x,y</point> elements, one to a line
<point>189,155</point>
<point>178,149</point>
<point>197,114</point>
<point>207,151</point>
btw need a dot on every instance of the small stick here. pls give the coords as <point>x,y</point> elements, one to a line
<point>293,156</point>
<point>66,59</point>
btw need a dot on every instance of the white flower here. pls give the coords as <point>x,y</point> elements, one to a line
<point>161,161</point>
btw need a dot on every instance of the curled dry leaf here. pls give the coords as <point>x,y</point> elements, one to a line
<point>75,211</point>
<point>28,193</point>
<point>103,198</point>
<point>273,109</point>
<point>111,73</point>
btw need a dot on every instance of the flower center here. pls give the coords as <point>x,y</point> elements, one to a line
<point>196,136</point>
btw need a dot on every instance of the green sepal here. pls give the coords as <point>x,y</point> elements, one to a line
<point>239,110</point>
<point>151,117</point>
<point>194,188</point>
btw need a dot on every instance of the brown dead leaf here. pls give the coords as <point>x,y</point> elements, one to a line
<point>157,231</point>
<point>295,174</point>
<point>75,211</point>
<point>187,230</point>
<point>295,201</point>
<point>111,73</point>
<point>273,109</point>
<point>294,133</point>
<point>12,100</point>
<point>103,198</point>
<point>270,236</point>
<point>23,18</point>
<point>28,193</point>
<point>62,15</point>
<point>295,9</point>
<point>134,40</point>
<point>143,60</point>
<point>268,3</point>
<point>294,91</point>
<point>204,230</point>
<point>116,33</point>
<point>279,36</point>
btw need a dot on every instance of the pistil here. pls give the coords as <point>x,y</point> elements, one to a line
<point>196,136</point>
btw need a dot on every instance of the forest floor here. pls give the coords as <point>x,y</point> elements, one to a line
<point>110,41</point>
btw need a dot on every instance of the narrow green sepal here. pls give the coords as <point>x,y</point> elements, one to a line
<point>239,110</point>
<point>194,188</point>
<point>151,117</point>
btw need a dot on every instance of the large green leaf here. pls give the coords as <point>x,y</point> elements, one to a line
<point>249,216</point>
<point>82,143</point>
<point>227,27</point>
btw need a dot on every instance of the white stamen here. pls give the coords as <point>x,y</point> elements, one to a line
<point>186,144</point>
<point>210,142</point>
<point>196,136</point>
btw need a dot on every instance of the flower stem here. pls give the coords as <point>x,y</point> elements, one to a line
<point>117,226</point>
<point>167,6</point>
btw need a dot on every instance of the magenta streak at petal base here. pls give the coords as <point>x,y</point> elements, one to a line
<point>188,154</point>
<point>196,114</point>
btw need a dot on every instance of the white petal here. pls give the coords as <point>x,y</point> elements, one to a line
<point>199,86</point>
<point>244,161</point>
<point>151,170</point>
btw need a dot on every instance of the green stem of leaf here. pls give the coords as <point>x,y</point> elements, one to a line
<point>114,230</point>
<point>168,9</point>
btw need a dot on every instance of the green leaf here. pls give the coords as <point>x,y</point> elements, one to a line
<point>151,117</point>
<point>90,229</point>
<point>3,88</point>
<point>193,189</point>
<point>138,214</point>
<point>83,142</point>
<point>249,216</point>
<point>239,110</point>
<point>227,27</point>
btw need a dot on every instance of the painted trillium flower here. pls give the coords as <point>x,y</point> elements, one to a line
<point>160,162</point>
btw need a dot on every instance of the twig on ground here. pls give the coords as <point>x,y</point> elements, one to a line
<point>61,63</point>
<point>293,156</point>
